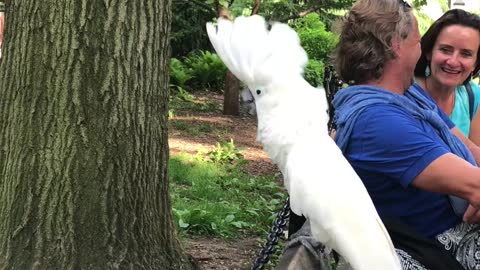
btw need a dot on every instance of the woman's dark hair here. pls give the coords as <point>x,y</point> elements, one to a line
<point>451,17</point>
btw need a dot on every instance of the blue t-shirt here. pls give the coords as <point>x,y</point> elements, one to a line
<point>388,148</point>
<point>461,109</point>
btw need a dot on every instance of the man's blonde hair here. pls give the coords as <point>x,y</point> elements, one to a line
<point>366,38</point>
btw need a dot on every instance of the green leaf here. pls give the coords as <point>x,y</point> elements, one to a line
<point>183,224</point>
<point>229,218</point>
<point>253,212</point>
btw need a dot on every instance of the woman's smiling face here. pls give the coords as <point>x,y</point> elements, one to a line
<point>454,55</point>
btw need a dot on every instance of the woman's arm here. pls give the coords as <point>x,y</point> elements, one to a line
<point>475,123</point>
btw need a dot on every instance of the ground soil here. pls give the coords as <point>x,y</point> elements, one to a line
<point>212,253</point>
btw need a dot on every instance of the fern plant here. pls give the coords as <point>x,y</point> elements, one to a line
<point>207,69</point>
<point>179,73</point>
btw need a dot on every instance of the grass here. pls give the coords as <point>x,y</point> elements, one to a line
<point>194,129</point>
<point>218,199</point>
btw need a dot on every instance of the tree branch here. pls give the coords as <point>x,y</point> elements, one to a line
<point>256,7</point>
<point>303,13</point>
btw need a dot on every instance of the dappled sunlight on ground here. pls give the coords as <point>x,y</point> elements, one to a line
<point>191,131</point>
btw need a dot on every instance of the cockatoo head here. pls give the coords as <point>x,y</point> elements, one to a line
<point>259,56</point>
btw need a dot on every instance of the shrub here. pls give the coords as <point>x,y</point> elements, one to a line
<point>179,74</point>
<point>314,72</point>
<point>207,69</point>
<point>226,152</point>
<point>315,39</point>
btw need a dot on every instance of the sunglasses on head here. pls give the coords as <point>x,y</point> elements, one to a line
<point>405,4</point>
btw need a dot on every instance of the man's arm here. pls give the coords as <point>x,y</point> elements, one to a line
<point>452,175</point>
<point>474,149</point>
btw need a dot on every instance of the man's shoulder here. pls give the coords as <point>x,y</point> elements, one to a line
<point>384,112</point>
<point>386,121</point>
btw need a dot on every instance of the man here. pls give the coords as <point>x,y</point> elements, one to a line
<point>401,145</point>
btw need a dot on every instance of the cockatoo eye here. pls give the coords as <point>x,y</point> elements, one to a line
<point>259,91</point>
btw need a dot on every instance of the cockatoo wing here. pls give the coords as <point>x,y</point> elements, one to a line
<point>324,187</point>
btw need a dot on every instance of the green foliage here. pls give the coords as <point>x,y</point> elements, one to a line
<point>189,17</point>
<point>419,3</point>
<point>443,5</point>
<point>207,69</point>
<point>199,70</point>
<point>314,72</point>
<point>188,28</point>
<point>214,199</point>
<point>318,43</point>
<point>171,114</point>
<point>424,21</point>
<point>180,93</point>
<point>316,40</point>
<point>226,152</point>
<point>284,10</point>
<point>179,74</point>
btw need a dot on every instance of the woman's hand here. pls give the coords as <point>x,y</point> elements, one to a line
<point>472,215</point>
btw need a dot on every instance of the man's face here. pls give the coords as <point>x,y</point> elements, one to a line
<point>410,50</point>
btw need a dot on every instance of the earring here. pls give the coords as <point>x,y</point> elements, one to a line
<point>427,71</point>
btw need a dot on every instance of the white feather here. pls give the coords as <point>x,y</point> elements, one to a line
<point>292,127</point>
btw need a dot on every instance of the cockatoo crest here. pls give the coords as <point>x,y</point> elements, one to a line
<point>256,55</point>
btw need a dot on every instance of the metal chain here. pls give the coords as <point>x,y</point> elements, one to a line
<point>273,236</point>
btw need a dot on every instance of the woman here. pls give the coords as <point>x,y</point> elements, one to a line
<point>449,59</point>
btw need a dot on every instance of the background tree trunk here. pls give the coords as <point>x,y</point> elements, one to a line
<point>231,102</point>
<point>83,137</point>
<point>231,98</point>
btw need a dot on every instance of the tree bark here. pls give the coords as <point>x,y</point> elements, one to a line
<point>231,102</point>
<point>231,98</point>
<point>256,7</point>
<point>83,137</point>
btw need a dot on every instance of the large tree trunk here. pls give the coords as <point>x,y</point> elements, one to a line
<point>83,136</point>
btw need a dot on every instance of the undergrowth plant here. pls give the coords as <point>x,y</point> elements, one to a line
<point>179,73</point>
<point>207,70</point>
<point>213,198</point>
<point>225,152</point>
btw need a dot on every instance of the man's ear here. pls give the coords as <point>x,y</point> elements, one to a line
<point>395,45</point>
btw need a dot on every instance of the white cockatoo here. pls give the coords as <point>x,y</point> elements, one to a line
<point>292,127</point>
